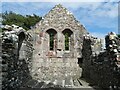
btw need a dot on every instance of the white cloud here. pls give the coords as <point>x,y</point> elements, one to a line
<point>60,0</point>
<point>99,35</point>
<point>96,9</point>
<point>92,14</point>
<point>102,15</point>
<point>110,9</point>
<point>104,10</point>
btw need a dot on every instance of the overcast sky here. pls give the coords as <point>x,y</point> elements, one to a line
<point>99,18</point>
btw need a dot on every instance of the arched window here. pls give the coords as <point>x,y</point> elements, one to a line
<point>67,35</point>
<point>52,37</point>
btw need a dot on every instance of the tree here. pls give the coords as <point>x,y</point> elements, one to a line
<point>26,22</point>
<point>31,20</point>
<point>119,35</point>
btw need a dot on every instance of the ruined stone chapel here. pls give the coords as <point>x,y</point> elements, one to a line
<point>57,52</point>
<point>57,44</point>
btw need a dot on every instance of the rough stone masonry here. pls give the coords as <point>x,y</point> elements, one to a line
<point>16,60</point>
<point>56,62</point>
<point>29,58</point>
<point>34,56</point>
<point>102,67</point>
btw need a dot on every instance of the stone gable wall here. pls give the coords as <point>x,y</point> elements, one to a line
<point>59,19</point>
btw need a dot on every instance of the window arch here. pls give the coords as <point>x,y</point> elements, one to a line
<point>67,35</point>
<point>52,38</point>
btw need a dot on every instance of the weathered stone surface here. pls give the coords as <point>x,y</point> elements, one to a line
<point>54,64</point>
<point>28,62</point>
<point>14,63</point>
<point>103,66</point>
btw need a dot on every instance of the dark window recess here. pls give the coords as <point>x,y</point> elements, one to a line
<point>66,41</point>
<point>59,49</point>
<point>80,60</point>
<point>52,33</point>
<point>51,41</point>
<point>67,34</point>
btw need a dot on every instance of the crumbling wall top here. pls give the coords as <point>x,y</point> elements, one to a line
<point>60,18</point>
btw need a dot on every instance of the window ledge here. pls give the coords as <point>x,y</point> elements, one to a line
<point>67,51</point>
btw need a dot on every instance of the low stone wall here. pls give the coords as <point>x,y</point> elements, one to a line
<point>51,69</point>
<point>104,74</point>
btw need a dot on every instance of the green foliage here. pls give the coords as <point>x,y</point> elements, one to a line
<point>119,35</point>
<point>26,22</point>
<point>51,41</point>
<point>66,41</point>
<point>0,29</point>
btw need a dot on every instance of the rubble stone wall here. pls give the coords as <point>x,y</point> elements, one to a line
<point>102,67</point>
<point>63,61</point>
<point>59,22</point>
<point>16,57</point>
<point>27,55</point>
<point>51,69</point>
